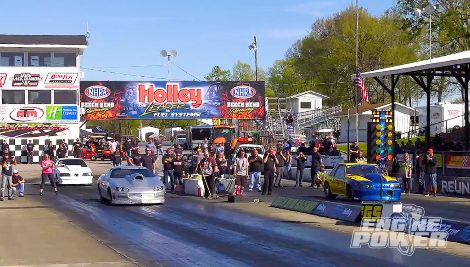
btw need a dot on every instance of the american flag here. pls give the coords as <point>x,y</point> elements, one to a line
<point>360,84</point>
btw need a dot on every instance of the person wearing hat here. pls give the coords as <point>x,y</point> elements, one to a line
<point>77,149</point>
<point>17,184</point>
<point>430,170</point>
<point>29,150</point>
<point>168,169</point>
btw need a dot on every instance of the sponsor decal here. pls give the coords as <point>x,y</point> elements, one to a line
<point>61,78</point>
<point>97,92</point>
<point>338,211</point>
<point>294,204</point>
<point>453,112</point>
<point>25,114</point>
<point>63,113</point>
<point>455,186</point>
<point>243,92</point>
<point>147,93</point>
<point>403,231</point>
<point>26,79</point>
<point>3,79</point>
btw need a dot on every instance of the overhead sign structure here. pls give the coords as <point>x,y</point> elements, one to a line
<point>39,113</point>
<point>172,100</point>
<point>38,78</point>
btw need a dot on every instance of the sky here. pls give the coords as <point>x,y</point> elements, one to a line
<point>126,36</point>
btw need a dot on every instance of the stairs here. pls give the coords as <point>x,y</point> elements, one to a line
<point>315,117</point>
<point>275,126</point>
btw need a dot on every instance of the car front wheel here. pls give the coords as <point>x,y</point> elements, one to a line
<point>102,199</point>
<point>327,190</point>
<point>349,193</point>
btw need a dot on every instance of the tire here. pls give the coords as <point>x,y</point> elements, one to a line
<point>93,158</point>
<point>327,190</point>
<point>110,202</point>
<point>102,199</point>
<point>349,193</point>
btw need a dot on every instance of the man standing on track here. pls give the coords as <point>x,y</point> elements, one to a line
<point>270,161</point>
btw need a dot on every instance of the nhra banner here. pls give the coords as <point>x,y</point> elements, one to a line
<point>171,100</point>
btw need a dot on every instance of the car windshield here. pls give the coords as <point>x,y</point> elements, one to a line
<point>72,162</point>
<point>121,173</point>
<point>362,170</point>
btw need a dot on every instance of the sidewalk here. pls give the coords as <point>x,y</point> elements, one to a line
<point>36,235</point>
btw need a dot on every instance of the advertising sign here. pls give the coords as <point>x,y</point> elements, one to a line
<point>17,130</point>
<point>38,113</point>
<point>172,100</point>
<point>338,211</point>
<point>457,161</point>
<point>454,185</point>
<point>39,78</point>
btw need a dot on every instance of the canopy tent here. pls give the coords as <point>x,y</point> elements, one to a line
<point>423,73</point>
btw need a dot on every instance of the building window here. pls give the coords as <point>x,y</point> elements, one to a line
<point>65,97</point>
<point>65,60</point>
<point>11,59</point>
<point>39,59</point>
<point>13,97</point>
<point>306,105</point>
<point>39,97</point>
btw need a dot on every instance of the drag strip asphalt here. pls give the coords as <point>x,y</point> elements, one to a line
<point>187,232</point>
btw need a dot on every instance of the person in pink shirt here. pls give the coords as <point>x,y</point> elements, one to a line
<point>47,165</point>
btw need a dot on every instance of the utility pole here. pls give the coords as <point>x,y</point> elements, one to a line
<point>254,47</point>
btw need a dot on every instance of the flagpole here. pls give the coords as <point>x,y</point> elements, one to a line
<point>357,71</point>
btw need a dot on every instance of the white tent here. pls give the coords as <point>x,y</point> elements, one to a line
<point>148,131</point>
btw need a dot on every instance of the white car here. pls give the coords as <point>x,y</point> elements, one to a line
<point>72,171</point>
<point>248,148</point>
<point>131,185</point>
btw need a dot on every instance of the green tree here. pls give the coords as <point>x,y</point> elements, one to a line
<point>218,74</point>
<point>243,72</point>
<point>324,60</point>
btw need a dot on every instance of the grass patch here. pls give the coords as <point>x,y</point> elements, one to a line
<point>344,148</point>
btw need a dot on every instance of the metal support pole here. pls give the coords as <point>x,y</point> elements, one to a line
<point>430,37</point>
<point>428,116</point>
<point>256,59</point>
<point>467,129</point>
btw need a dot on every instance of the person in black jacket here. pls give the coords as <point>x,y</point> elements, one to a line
<point>301,159</point>
<point>430,169</point>
<point>29,149</point>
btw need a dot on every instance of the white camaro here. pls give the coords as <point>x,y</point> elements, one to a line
<point>131,185</point>
<point>72,171</point>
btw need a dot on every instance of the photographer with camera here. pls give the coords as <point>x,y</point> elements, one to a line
<point>270,161</point>
<point>301,159</point>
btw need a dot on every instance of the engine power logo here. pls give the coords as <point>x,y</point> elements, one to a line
<point>61,78</point>
<point>403,231</point>
<point>26,79</point>
<point>25,114</point>
<point>97,92</point>
<point>243,92</point>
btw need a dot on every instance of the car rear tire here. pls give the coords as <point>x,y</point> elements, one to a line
<point>349,193</point>
<point>93,158</point>
<point>327,190</point>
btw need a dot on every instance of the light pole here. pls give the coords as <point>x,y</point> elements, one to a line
<point>428,10</point>
<point>168,55</point>
<point>253,47</point>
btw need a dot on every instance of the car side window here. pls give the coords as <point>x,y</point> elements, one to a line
<point>340,172</point>
<point>333,171</point>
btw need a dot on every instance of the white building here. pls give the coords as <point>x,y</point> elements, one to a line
<point>39,82</point>
<point>443,116</point>
<point>305,101</point>
<point>402,120</point>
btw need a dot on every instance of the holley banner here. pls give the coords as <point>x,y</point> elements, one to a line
<point>171,100</point>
